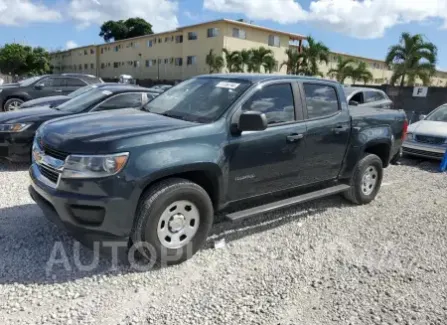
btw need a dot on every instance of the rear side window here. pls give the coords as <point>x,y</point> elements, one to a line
<point>373,96</point>
<point>275,101</point>
<point>75,82</point>
<point>122,101</point>
<point>321,100</point>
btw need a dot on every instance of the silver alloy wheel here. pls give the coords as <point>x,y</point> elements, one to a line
<point>178,224</point>
<point>369,180</point>
<point>14,105</point>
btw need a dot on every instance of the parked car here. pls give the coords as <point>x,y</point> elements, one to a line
<point>359,96</point>
<point>14,95</point>
<point>156,176</point>
<point>161,87</point>
<point>17,128</point>
<point>428,137</point>
<point>52,101</point>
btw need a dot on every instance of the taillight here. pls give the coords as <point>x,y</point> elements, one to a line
<point>405,130</point>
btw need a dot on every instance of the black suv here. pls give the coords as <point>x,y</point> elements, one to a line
<point>13,95</point>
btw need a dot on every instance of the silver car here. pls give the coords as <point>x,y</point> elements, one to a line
<point>369,97</point>
<point>428,137</point>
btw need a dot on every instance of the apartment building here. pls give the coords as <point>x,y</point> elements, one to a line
<point>173,55</point>
<point>181,53</point>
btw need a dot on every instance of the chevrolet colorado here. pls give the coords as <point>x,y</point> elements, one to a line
<point>158,175</point>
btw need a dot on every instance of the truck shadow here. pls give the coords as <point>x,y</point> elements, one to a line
<point>8,166</point>
<point>429,165</point>
<point>34,251</point>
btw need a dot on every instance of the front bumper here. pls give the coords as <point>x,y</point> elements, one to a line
<point>90,218</point>
<point>16,147</point>
<point>414,148</point>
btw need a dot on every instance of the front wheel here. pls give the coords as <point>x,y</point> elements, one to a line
<point>173,221</point>
<point>12,104</point>
<point>366,180</point>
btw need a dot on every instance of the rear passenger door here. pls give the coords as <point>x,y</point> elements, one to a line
<point>270,160</point>
<point>328,131</point>
<point>125,100</point>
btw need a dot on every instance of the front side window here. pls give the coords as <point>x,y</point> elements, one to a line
<point>372,96</point>
<point>201,100</point>
<point>321,100</point>
<point>275,101</point>
<point>29,81</point>
<point>121,101</point>
<point>74,82</point>
<point>84,100</point>
<point>439,114</point>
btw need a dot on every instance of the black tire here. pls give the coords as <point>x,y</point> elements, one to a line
<point>356,194</point>
<point>10,101</point>
<point>397,157</point>
<point>150,209</point>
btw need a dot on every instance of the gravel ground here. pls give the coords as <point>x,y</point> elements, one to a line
<point>326,262</point>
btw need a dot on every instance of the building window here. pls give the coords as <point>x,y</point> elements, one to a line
<point>166,61</point>
<point>172,38</point>
<point>85,52</point>
<point>166,39</point>
<point>148,63</point>
<point>92,66</point>
<point>179,39</point>
<point>171,61</point>
<point>178,61</point>
<point>136,64</point>
<point>212,32</point>
<point>103,65</point>
<point>116,48</point>
<point>136,45</point>
<point>116,64</point>
<point>80,67</point>
<point>274,40</point>
<point>239,33</point>
<point>190,60</point>
<point>149,43</point>
<point>102,50</point>
<point>92,51</point>
<point>159,40</point>
<point>192,36</point>
<point>86,66</point>
<point>108,64</point>
<point>159,61</point>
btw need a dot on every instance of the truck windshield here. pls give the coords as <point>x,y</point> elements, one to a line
<point>201,100</point>
<point>439,114</point>
<point>84,101</point>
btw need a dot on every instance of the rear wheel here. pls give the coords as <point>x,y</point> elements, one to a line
<point>173,221</point>
<point>12,104</point>
<point>366,180</point>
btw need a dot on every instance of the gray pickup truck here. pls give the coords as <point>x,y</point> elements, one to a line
<point>210,144</point>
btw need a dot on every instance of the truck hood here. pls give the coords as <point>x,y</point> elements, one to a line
<point>45,101</point>
<point>5,86</point>
<point>93,132</point>
<point>37,114</point>
<point>433,128</point>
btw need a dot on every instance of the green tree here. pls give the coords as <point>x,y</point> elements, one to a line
<point>124,29</point>
<point>16,59</point>
<point>246,61</point>
<point>361,72</point>
<point>312,54</point>
<point>343,70</point>
<point>215,62</point>
<point>233,60</point>
<point>269,64</point>
<point>259,57</point>
<point>293,62</point>
<point>413,57</point>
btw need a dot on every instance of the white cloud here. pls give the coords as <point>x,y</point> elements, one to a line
<point>71,45</point>
<point>162,14</point>
<point>362,19</point>
<point>21,12</point>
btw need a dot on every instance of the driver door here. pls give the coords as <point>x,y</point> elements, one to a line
<point>269,160</point>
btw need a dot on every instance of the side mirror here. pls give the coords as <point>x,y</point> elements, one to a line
<point>422,117</point>
<point>39,86</point>
<point>353,103</point>
<point>252,121</point>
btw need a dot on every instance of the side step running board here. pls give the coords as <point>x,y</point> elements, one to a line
<point>287,202</point>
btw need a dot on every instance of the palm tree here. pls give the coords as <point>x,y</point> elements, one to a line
<point>343,70</point>
<point>233,60</point>
<point>246,60</point>
<point>312,54</point>
<point>412,57</point>
<point>269,64</point>
<point>215,62</point>
<point>361,72</point>
<point>258,57</point>
<point>293,61</point>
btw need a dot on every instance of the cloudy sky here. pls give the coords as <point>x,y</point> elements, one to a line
<point>362,27</point>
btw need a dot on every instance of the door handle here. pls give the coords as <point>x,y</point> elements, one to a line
<point>295,137</point>
<point>58,91</point>
<point>339,129</point>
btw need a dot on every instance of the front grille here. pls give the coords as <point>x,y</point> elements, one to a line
<point>429,139</point>
<point>52,175</point>
<point>424,153</point>
<point>61,155</point>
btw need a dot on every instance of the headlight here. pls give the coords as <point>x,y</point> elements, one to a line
<point>16,127</point>
<point>79,166</point>
<point>410,136</point>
